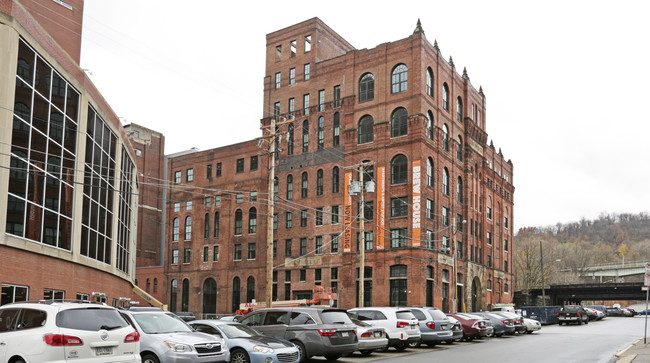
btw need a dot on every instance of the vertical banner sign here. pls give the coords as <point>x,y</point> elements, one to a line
<point>347,215</point>
<point>416,204</point>
<point>646,283</point>
<point>381,208</point>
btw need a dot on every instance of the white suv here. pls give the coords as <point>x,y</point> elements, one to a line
<point>57,332</point>
<point>400,324</point>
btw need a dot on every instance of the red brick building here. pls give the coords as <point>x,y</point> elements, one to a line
<point>438,210</point>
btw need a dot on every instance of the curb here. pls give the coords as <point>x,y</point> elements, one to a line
<point>623,358</point>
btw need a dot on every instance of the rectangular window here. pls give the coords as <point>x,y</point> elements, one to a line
<point>208,202</point>
<point>188,205</point>
<point>251,251</point>
<point>292,76</point>
<point>505,245</point>
<point>287,248</point>
<point>303,275</point>
<point>489,260</point>
<point>51,294</point>
<point>275,254</point>
<point>187,254</point>
<point>459,222</point>
<point>398,207</point>
<point>292,48</point>
<point>303,218</point>
<point>459,250</point>
<point>398,238</point>
<point>239,198</point>
<point>303,246</point>
<point>319,245</point>
<point>278,53</point>
<point>368,240</point>
<point>276,112</point>
<point>489,238</point>
<point>174,257</point>
<point>318,274</point>
<point>206,253</point>
<point>307,43</point>
<point>319,216</point>
<point>335,214</point>
<point>489,212</point>
<point>430,241</point>
<point>288,220</point>
<point>292,109</point>
<point>240,166</point>
<point>278,80</point>
<point>189,176</point>
<point>14,293</point>
<point>337,96</point>
<point>446,246</point>
<point>217,201</point>
<point>208,171</point>
<point>305,104</point>
<point>429,207</point>
<point>505,222</point>
<point>252,197</point>
<point>177,177</point>
<point>307,69</point>
<point>218,172</point>
<point>275,221</point>
<point>215,253</point>
<point>177,206</point>
<point>335,243</point>
<point>237,252</point>
<point>321,100</point>
<point>253,163</point>
<point>445,216</point>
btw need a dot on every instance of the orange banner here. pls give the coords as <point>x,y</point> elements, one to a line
<point>416,204</point>
<point>381,207</point>
<point>347,215</point>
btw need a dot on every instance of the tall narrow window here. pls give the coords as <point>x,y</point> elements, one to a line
<point>398,122</point>
<point>398,170</point>
<point>459,150</point>
<point>275,189</point>
<point>252,221</point>
<point>307,70</point>
<point>321,100</point>
<point>459,190</point>
<point>430,125</point>
<point>319,182</point>
<point>398,286</point>
<point>445,96</point>
<point>459,109</point>
<point>445,181</point>
<point>276,111</point>
<point>366,87</point>
<point>292,108</point>
<point>289,187</point>
<point>175,229</point>
<point>290,137</point>
<point>305,136</point>
<point>335,180</point>
<point>206,226</point>
<point>304,185</point>
<point>336,134</point>
<point>292,48</point>
<point>278,53</point>
<point>445,137</point>
<point>429,82</point>
<point>216,225</point>
<point>429,172</point>
<point>365,132</point>
<point>305,104</point>
<point>321,132</point>
<point>238,222</point>
<point>399,79</point>
<point>292,76</point>
<point>307,43</point>
<point>337,96</point>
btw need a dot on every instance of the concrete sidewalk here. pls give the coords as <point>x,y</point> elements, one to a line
<point>637,352</point>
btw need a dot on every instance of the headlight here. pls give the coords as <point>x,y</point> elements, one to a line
<point>178,347</point>
<point>263,349</point>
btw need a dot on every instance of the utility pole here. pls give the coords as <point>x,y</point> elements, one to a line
<point>541,263</point>
<point>269,217</point>
<point>362,238</point>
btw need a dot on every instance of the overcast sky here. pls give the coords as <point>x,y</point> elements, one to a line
<point>566,82</point>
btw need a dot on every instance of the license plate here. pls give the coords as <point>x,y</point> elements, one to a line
<point>103,350</point>
<point>377,334</point>
<point>345,334</point>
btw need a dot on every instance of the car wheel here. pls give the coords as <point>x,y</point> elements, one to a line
<point>587,321</point>
<point>366,353</point>
<point>150,358</point>
<point>332,356</point>
<point>451,341</point>
<point>529,332</point>
<point>579,322</point>
<point>499,335</point>
<point>401,347</point>
<point>415,344</point>
<point>239,356</point>
<point>301,349</point>
<point>433,344</point>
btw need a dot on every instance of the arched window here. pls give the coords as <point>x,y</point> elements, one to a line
<point>185,295</point>
<point>459,150</point>
<point>335,180</point>
<point>175,229</point>
<point>321,132</point>
<point>305,136</point>
<point>148,285</point>
<point>290,139</point>
<point>459,109</point>
<point>399,170</point>
<point>238,222</point>
<point>398,124</point>
<point>459,190</point>
<point>430,125</point>
<point>366,87</point>
<point>250,289</point>
<point>206,226</point>
<point>252,220</point>
<point>289,187</point>
<point>236,289</point>
<point>209,296</point>
<point>399,79</point>
<point>336,134</point>
<point>429,82</point>
<point>216,225</point>
<point>173,296</point>
<point>445,137</point>
<point>305,185</point>
<point>319,182</point>
<point>445,181</point>
<point>429,172</point>
<point>366,129</point>
<point>188,228</point>
<point>445,96</point>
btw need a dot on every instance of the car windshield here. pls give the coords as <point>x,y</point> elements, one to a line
<point>90,319</point>
<point>238,331</point>
<point>335,317</point>
<point>437,314</point>
<point>405,315</point>
<point>161,323</point>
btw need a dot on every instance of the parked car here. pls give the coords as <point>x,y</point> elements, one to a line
<point>532,325</point>
<point>593,314</point>
<point>601,308</point>
<point>573,314</point>
<point>615,312</point>
<point>434,326</point>
<point>166,338</point>
<point>400,324</point>
<point>246,345</point>
<point>456,329</point>
<point>517,320</point>
<point>48,331</point>
<point>320,331</point>
<point>185,315</point>
<point>500,324</point>
<point>370,337</point>
<point>473,326</point>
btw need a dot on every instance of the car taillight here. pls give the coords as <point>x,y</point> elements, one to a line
<point>578,313</point>
<point>431,325</point>
<point>558,314</point>
<point>401,324</point>
<point>504,322</point>
<point>133,337</point>
<point>326,332</point>
<point>366,335</point>
<point>61,339</point>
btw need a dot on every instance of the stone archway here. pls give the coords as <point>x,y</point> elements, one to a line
<point>477,295</point>
<point>209,296</point>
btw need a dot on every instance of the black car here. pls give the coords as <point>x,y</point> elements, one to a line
<point>501,325</point>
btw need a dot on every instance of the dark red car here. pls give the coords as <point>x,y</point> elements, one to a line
<point>474,326</point>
